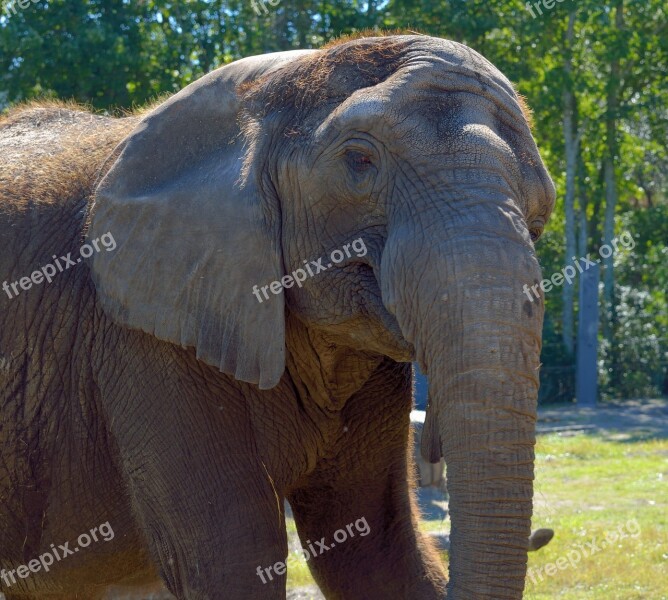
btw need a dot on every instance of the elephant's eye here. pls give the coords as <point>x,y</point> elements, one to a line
<point>358,161</point>
<point>535,233</point>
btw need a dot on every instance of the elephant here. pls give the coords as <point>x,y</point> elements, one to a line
<point>211,306</point>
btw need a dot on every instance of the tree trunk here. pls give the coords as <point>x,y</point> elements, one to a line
<point>583,228</point>
<point>571,141</point>
<point>612,115</point>
<point>371,14</point>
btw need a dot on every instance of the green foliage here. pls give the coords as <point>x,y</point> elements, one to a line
<point>635,364</point>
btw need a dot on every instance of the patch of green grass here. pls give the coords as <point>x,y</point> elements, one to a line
<point>588,486</point>
<point>587,489</point>
<point>298,573</point>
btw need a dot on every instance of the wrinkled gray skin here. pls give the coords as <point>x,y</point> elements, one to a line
<point>147,387</point>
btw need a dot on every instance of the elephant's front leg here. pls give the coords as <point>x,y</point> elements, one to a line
<point>200,492</point>
<point>357,511</point>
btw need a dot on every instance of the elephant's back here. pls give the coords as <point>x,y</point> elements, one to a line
<point>50,156</point>
<point>52,153</point>
<point>50,159</point>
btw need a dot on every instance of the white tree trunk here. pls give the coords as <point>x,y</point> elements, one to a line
<point>614,90</point>
<point>571,145</point>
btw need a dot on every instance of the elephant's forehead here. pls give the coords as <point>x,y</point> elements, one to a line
<point>445,82</point>
<point>450,56</point>
<point>429,93</point>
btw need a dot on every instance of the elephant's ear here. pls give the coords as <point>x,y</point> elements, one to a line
<point>192,239</point>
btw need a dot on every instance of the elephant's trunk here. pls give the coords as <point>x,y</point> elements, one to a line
<point>477,335</point>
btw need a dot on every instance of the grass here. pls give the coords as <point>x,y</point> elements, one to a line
<point>298,573</point>
<point>588,486</point>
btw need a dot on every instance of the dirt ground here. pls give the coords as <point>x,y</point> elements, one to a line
<point>639,419</point>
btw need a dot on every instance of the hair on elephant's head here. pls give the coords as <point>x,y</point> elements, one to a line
<point>416,145</point>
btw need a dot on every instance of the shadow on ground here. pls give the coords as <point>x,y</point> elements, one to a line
<point>627,421</point>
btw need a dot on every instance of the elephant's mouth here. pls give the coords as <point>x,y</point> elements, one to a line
<point>399,348</point>
<point>370,326</point>
<point>374,330</point>
<point>392,342</point>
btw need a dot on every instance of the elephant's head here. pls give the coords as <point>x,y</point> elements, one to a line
<point>419,147</point>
